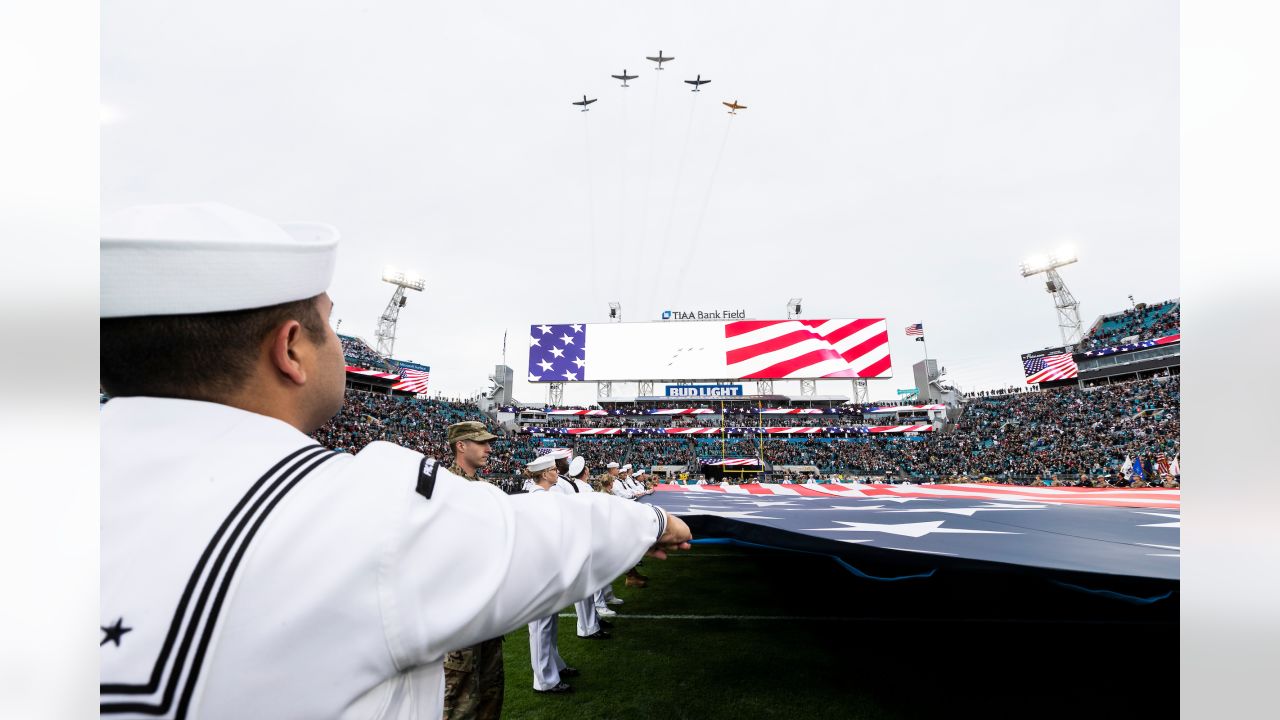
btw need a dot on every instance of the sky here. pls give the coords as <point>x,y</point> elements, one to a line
<point>895,160</point>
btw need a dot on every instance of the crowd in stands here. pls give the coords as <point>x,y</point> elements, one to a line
<point>416,424</point>
<point>1011,390</point>
<point>1062,433</point>
<point>359,354</point>
<point>1146,322</point>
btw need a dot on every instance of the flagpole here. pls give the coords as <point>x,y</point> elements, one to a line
<point>927,380</point>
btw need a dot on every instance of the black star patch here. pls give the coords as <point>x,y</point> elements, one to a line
<point>113,633</point>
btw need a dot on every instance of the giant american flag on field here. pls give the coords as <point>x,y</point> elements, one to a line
<point>1047,368</point>
<point>767,349</point>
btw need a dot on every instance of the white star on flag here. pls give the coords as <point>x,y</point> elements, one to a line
<point>566,339</point>
<point>534,341</point>
<point>1176,554</point>
<point>576,328</point>
<point>579,362</point>
<point>546,366</point>
<point>557,352</point>
<point>546,329</point>
<point>1177,520</point>
<point>914,530</point>
<point>568,375</point>
<point>533,378</point>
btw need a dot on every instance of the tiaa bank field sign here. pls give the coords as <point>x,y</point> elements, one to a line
<point>739,314</point>
<point>701,391</point>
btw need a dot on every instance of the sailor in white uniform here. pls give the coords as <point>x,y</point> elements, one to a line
<point>590,625</point>
<point>622,486</point>
<point>638,486</point>
<point>605,596</point>
<point>544,650</point>
<point>249,572</point>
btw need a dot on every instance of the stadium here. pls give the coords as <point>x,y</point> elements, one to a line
<point>867,502</point>
<point>1085,456</point>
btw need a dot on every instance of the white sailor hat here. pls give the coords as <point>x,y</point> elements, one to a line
<point>626,467</point>
<point>638,473</point>
<point>611,465</point>
<point>576,466</point>
<point>539,464</point>
<point>204,258</point>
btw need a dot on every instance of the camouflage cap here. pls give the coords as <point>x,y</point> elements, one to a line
<point>473,430</point>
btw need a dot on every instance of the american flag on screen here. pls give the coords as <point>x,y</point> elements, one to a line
<point>808,348</point>
<point>412,380</point>
<point>557,353</point>
<point>917,329</point>
<point>1048,368</point>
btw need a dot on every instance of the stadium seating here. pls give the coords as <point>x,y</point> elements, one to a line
<point>359,354</point>
<point>1063,432</point>
<point>1147,322</point>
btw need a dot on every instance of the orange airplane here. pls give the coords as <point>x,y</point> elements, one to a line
<point>734,107</point>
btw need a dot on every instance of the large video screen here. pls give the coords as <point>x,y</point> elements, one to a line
<point>710,350</point>
<point>1049,365</point>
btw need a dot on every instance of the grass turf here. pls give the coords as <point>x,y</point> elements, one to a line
<point>843,648</point>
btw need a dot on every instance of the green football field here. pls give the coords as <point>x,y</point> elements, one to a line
<point>722,632</point>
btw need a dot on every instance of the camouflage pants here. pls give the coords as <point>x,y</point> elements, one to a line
<point>473,682</point>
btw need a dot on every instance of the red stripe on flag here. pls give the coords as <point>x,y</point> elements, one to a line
<point>786,367</point>
<point>866,346</point>
<point>807,492</point>
<point>746,353</point>
<point>742,327</point>
<point>877,367</point>
<point>839,334</point>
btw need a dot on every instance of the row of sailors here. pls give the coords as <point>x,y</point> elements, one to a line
<point>559,472</point>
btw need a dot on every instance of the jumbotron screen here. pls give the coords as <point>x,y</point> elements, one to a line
<point>1048,365</point>
<point>710,350</point>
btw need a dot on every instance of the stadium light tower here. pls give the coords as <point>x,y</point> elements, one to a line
<point>793,308</point>
<point>387,323</point>
<point>1066,304</point>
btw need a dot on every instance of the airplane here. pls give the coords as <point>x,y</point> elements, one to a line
<point>660,59</point>
<point>585,102</point>
<point>734,107</point>
<point>624,77</point>
<point>696,83</point>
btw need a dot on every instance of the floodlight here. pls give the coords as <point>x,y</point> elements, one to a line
<point>1066,304</point>
<point>1035,264</point>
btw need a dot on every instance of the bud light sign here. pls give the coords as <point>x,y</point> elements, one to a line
<point>703,391</point>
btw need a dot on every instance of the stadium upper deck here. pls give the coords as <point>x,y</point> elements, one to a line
<point>1141,322</point>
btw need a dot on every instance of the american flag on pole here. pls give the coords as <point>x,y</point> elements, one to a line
<point>413,379</point>
<point>777,349</point>
<point>1047,368</point>
<point>917,329</point>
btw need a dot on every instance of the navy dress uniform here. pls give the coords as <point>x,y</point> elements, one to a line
<point>544,647</point>
<point>248,572</point>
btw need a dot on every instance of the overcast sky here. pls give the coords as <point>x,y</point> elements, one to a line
<point>896,160</point>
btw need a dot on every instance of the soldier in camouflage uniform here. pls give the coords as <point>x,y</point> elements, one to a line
<point>473,677</point>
